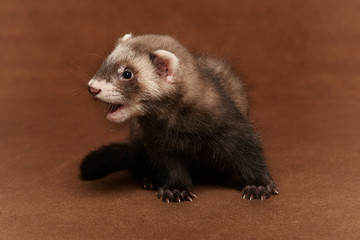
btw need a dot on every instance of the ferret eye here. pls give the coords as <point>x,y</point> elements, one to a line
<point>127,74</point>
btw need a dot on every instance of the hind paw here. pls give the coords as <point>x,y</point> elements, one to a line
<point>150,183</point>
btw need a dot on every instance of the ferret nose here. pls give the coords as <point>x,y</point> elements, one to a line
<point>94,91</point>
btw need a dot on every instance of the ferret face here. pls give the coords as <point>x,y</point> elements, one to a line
<point>128,79</point>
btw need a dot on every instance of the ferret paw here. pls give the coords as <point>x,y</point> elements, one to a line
<point>168,195</point>
<point>150,183</point>
<point>262,192</point>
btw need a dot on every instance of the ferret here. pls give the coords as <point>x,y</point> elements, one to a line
<point>188,115</point>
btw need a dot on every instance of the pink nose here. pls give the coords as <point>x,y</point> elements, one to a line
<point>94,91</point>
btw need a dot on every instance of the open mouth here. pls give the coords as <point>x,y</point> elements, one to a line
<point>111,108</point>
<point>115,112</point>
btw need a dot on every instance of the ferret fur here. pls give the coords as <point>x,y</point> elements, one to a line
<point>189,115</point>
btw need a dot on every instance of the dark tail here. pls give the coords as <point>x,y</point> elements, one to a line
<point>105,160</point>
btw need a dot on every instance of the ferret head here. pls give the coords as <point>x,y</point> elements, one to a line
<point>138,71</point>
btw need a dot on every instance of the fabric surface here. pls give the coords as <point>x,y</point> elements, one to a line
<point>300,60</point>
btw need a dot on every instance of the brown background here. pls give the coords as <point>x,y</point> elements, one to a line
<point>300,60</point>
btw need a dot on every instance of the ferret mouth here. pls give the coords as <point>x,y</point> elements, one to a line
<point>111,107</point>
<point>115,112</point>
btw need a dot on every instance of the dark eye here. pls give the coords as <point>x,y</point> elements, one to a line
<point>127,74</point>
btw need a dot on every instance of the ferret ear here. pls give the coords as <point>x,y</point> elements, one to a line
<point>166,64</point>
<point>125,37</point>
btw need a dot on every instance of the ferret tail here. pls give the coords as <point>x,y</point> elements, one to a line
<point>107,159</point>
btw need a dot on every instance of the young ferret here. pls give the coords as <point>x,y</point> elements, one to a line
<point>188,114</point>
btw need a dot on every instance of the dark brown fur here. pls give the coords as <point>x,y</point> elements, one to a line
<point>194,124</point>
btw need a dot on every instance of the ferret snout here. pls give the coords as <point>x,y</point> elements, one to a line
<point>93,91</point>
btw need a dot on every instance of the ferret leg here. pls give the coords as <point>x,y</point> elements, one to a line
<point>142,170</point>
<point>246,161</point>
<point>258,183</point>
<point>175,181</point>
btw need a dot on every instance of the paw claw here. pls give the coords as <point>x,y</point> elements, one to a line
<point>167,195</point>
<point>149,183</point>
<point>192,194</point>
<point>160,193</point>
<point>262,192</point>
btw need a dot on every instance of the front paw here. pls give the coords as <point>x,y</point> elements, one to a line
<point>262,192</point>
<point>175,195</point>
